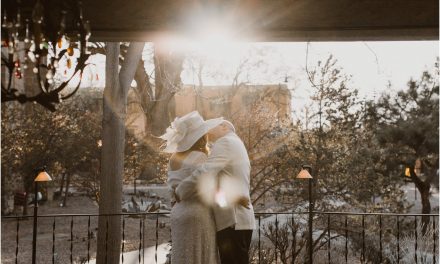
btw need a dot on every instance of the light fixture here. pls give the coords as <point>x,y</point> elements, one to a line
<point>407,172</point>
<point>50,35</point>
<point>407,175</point>
<point>304,174</point>
<point>43,177</point>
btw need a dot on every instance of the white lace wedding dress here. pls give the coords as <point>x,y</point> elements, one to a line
<point>193,231</point>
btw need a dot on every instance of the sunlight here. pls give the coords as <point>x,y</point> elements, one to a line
<point>206,35</point>
<point>213,32</point>
<point>226,192</point>
<point>220,199</point>
<point>209,26</point>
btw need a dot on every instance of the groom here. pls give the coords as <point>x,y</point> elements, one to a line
<point>227,172</point>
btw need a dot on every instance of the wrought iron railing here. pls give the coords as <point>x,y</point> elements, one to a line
<point>338,237</point>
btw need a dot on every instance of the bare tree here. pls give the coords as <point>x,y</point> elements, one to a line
<point>168,67</point>
<point>265,133</point>
<point>290,241</point>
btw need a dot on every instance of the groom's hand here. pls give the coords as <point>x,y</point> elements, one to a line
<point>244,201</point>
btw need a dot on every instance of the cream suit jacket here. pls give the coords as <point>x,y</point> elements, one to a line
<point>226,171</point>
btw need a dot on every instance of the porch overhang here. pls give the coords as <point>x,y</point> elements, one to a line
<point>269,20</point>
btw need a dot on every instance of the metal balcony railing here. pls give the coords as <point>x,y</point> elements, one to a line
<point>338,237</point>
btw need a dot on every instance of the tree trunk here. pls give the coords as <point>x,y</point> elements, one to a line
<point>113,141</point>
<point>423,188</point>
<point>426,207</point>
<point>168,67</point>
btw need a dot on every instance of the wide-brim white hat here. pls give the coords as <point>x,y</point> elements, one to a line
<point>186,130</point>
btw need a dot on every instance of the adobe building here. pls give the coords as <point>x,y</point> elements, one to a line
<point>229,101</point>
<point>218,101</point>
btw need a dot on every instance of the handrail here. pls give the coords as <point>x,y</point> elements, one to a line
<point>257,213</point>
<point>384,214</point>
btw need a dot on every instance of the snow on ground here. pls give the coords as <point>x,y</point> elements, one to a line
<point>149,255</point>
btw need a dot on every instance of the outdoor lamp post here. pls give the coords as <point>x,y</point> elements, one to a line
<point>134,166</point>
<point>41,177</point>
<point>305,172</point>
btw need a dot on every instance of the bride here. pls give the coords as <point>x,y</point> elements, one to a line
<point>193,231</point>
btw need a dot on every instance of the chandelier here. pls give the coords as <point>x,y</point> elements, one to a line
<point>50,33</point>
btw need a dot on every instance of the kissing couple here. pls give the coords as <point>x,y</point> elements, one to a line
<point>212,217</point>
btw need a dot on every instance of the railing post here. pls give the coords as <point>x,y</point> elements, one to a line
<point>363,239</point>
<point>123,239</point>
<point>140,240</point>
<point>16,239</point>
<point>71,240</point>
<point>398,240</point>
<point>157,237</point>
<point>346,239</point>
<point>53,241</point>
<point>276,238</point>
<point>293,238</point>
<point>88,239</point>
<point>416,237</point>
<point>34,235</point>
<point>310,233</point>
<point>329,237</point>
<point>259,239</point>
<point>433,237</point>
<point>380,238</point>
<point>106,238</point>
<point>143,238</point>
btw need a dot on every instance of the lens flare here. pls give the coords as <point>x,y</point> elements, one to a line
<point>220,199</point>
